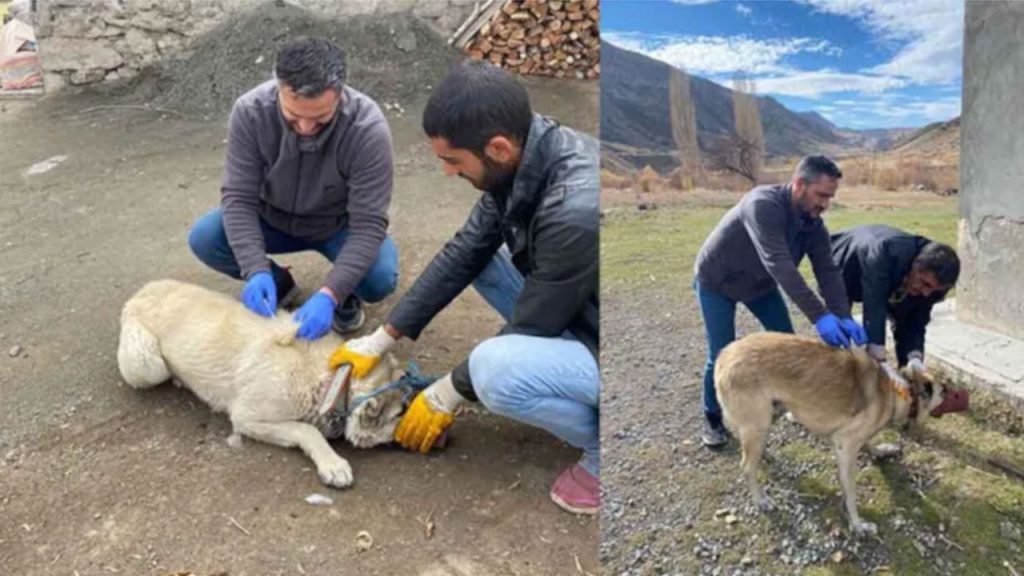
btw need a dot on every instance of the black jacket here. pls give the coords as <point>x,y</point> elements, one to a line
<point>874,260</point>
<point>549,220</point>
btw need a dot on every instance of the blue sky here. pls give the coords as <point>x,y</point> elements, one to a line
<point>860,63</point>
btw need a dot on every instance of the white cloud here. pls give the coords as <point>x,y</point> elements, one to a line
<point>814,84</point>
<point>693,2</point>
<point>744,10</point>
<point>930,33</point>
<point>717,55</point>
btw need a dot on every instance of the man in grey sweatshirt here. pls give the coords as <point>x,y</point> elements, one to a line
<point>757,248</point>
<point>309,167</point>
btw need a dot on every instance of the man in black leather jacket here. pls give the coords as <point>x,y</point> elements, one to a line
<point>530,247</point>
<point>897,275</point>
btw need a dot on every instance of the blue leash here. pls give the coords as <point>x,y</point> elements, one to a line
<point>413,381</point>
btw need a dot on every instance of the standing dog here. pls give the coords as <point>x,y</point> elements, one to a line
<point>841,393</point>
<point>270,385</point>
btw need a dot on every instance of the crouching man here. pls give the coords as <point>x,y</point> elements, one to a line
<point>896,275</point>
<point>530,248</point>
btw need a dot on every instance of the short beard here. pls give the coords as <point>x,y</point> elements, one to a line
<point>496,177</point>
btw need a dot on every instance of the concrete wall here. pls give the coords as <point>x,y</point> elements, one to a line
<point>991,289</point>
<point>89,41</point>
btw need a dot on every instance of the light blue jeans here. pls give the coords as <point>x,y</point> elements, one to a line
<point>550,383</point>
<point>209,242</point>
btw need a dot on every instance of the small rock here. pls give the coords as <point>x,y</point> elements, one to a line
<point>319,500</point>
<point>14,351</point>
<point>731,519</point>
<point>1009,531</point>
<point>363,541</point>
<point>746,561</point>
<point>838,556</point>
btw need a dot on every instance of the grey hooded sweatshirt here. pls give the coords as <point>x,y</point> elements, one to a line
<point>308,187</point>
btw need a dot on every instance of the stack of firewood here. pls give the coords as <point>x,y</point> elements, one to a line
<point>557,38</point>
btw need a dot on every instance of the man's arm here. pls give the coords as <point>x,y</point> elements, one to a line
<point>909,332</point>
<point>240,194</point>
<point>830,278</point>
<point>765,222</point>
<point>369,195</point>
<point>875,279</point>
<point>452,269</point>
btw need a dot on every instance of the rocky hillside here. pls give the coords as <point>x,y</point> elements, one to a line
<point>635,110</point>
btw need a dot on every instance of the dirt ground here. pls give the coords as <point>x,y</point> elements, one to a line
<point>673,507</point>
<point>97,478</point>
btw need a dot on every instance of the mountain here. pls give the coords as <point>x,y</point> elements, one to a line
<point>934,139</point>
<point>635,109</point>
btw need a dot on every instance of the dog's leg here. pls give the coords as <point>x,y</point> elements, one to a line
<point>332,469</point>
<point>752,440</point>
<point>138,356</point>
<point>846,458</point>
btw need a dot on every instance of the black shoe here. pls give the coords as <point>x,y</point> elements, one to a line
<point>714,435</point>
<point>287,289</point>
<point>349,317</point>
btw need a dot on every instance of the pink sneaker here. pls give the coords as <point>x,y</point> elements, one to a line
<point>577,491</point>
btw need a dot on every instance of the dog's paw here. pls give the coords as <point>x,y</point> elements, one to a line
<point>337,474</point>
<point>864,528</point>
<point>235,441</point>
<point>884,451</point>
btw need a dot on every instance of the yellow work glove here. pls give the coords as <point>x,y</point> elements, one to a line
<point>363,354</point>
<point>430,414</point>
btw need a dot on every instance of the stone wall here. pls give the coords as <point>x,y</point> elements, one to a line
<point>90,41</point>
<point>991,288</point>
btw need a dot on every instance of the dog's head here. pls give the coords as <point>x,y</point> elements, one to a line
<point>373,419</point>
<point>925,396</point>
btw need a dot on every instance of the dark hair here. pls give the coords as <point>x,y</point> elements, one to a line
<point>941,260</point>
<point>309,66</point>
<point>475,102</point>
<point>812,168</point>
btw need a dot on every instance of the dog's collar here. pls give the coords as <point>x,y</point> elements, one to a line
<point>904,392</point>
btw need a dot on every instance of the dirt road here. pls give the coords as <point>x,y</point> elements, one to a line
<point>97,478</point>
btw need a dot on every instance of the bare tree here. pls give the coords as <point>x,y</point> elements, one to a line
<point>743,151</point>
<point>684,128</point>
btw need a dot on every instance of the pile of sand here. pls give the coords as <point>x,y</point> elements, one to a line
<point>394,58</point>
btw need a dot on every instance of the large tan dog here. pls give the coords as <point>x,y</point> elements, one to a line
<point>271,385</point>
<point>841,393</point>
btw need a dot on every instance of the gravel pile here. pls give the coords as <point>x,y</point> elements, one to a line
<point>393,59</point>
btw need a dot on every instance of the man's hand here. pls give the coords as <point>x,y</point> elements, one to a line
<point>917,367</point>
<point>362,353</point>
<point>315,316</point>
<point>260,294</point>
<point>877,352</point>
<point>831,331</point>
<point>429,415</point>
<point>854,331</point>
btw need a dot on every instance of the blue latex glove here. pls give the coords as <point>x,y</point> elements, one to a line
<point>854,331</point>
<point>315,316</point>
<point>831,331</point>
<point>260,294</point>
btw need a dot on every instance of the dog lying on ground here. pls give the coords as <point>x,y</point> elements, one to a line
<point>841,393</point>
<point>272,386</point>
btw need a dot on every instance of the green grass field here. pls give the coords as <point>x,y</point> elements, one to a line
<point>658,247</point>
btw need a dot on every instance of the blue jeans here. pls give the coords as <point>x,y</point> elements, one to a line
<point>550,383</point>
<point>719,315</point>
<point>209,242</point>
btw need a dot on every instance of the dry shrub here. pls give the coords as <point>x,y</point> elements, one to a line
<point>615,181</point>
<point>648,180</point>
